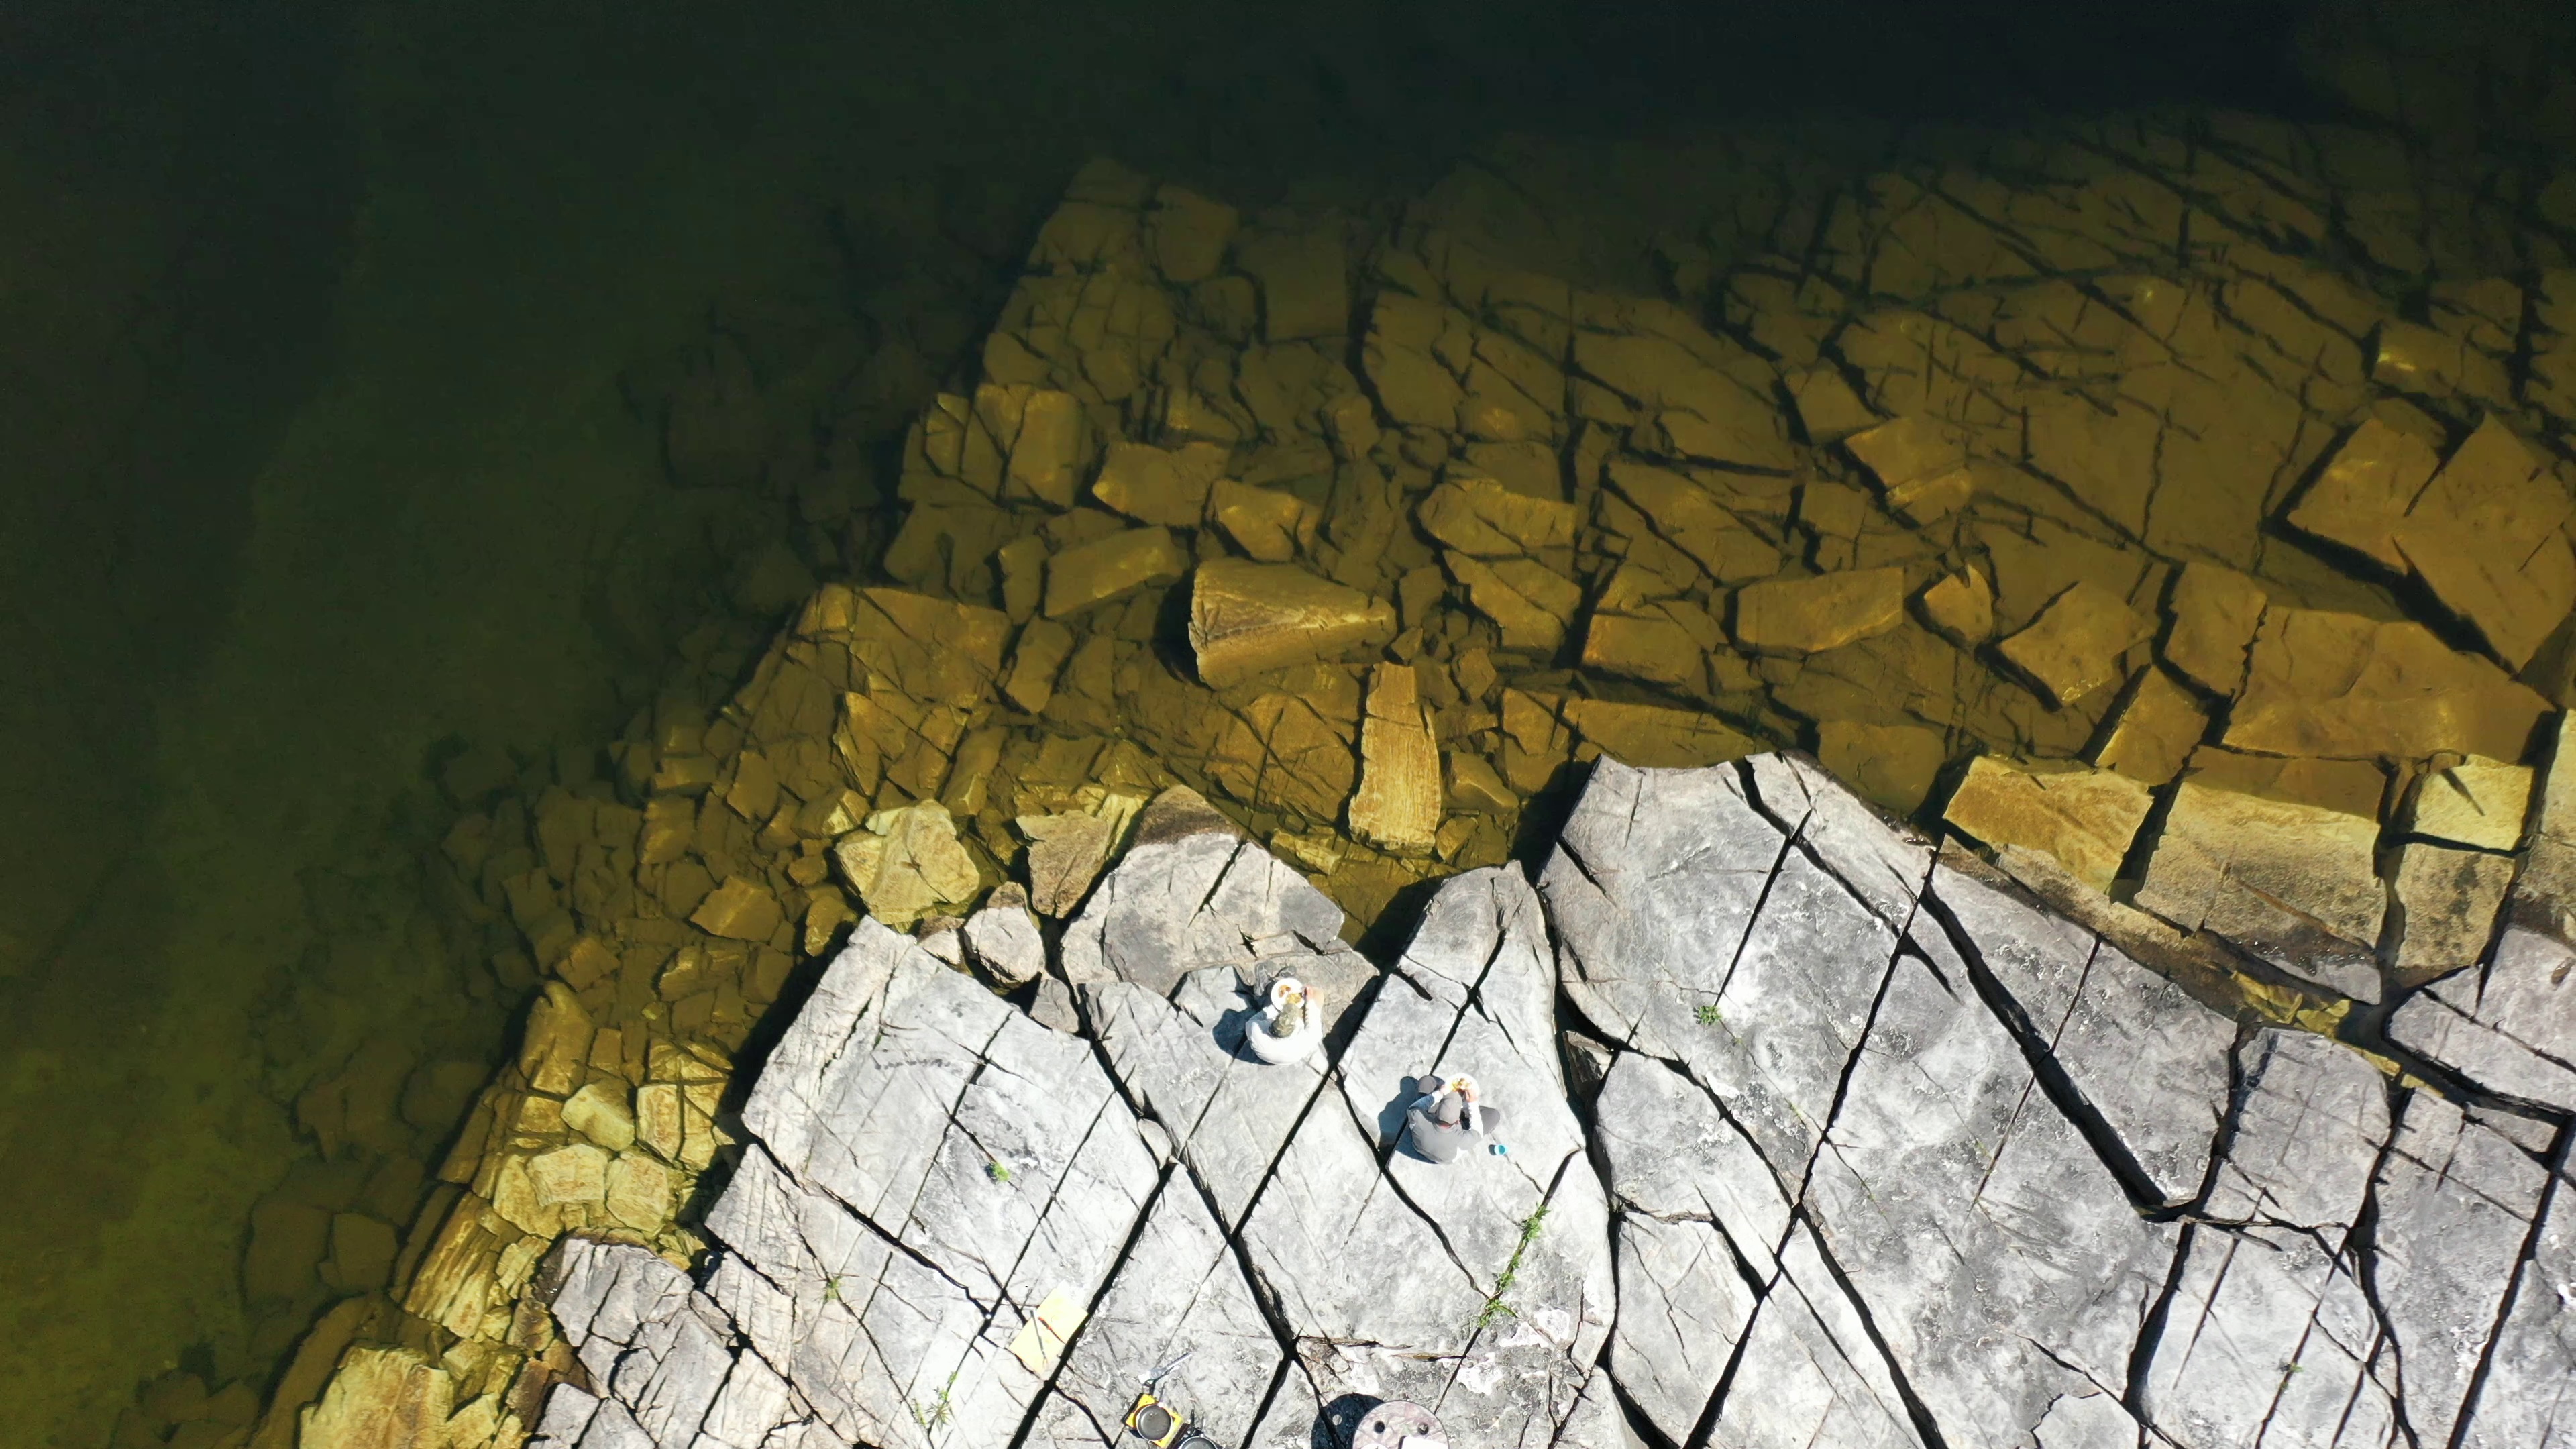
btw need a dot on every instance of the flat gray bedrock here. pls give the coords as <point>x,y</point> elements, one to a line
<point>1882,1152</point>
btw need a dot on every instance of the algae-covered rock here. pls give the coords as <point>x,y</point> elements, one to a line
<point>1803,616</point>
<point>2085,818</point>
<point>1397,806</point>
<point>908,863</point>
<point>1250,618</point>
<point>2076,644</point>
<point>1096,572</point>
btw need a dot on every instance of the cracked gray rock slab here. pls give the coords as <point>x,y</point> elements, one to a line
<point>1690,925</point>
<point>2529,1398</point>
<point>1811,1373</point>
<point>2456,1202</point>
<point>1175,905</point>
<point>1434,1243</point>
<point>1181,1293</point>
<point>1184,1060</point>
<point>1177,1045</point>
<point>2311,1120</point>
<point>2270,1338</point>
<point>1872,1139</point>
<point>1999,1259</point>
<point>994,1149</point>
<point>1673,1153</point>
<point>2508,1026</point>
<point>928,1171</point>
<point>1882,865</point>
<point>1683,1306</point>
<point>2146,1058</point>
<point>670,1368</point>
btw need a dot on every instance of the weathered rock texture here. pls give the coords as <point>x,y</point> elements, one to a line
<point>1875,1149</point>
<point>2097,446</point>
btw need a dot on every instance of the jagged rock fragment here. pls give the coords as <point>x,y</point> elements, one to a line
<point>2342,686</point>
<point>1804,616</point>
<point>1921,467</point>
<point>1650,645</point>
<point>930,650</point>
<point>2509,1027</point>
<point>1828,409</point>
<point>1893,766</point>
<point>2281,1333</point>
<point>1531,603</point>
<point>2363,493</point>
<point>1187,234</point>
<point>2085,818</point>
<point>1095,572</point>
<point>1482,518</point>
<point>2011,1269</point>
<point>1251,618</point>
<point>2156,732</point>
<point>601,1113</point>
<point>1654,737</point>
<point>1691,406</point>
<point>741,909</point>
<point>2215,613</point>
<point>2487,537</point>
<point>908,863</point>
<point>1685,515</point>
<point>2456,1200</point>
<point>1397,808</point>
<point>2144,1057</point>
<point>2476,802</point>
<point>1159,485</point>
<point>1270,526</point>
<point>1962,605</point>
<point>1002,937</point>
<point>381,1396</point>
<point>1067,850</point>
<point>2294,881</point>
<point>2076,644</point>
<point>2450,898</point>
<point>1036,661</point>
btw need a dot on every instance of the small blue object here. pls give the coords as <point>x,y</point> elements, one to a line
<point>1499,1150</point>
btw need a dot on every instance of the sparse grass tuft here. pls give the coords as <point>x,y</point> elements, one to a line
<point>1496,1310</point>
<point>1709,1015</point>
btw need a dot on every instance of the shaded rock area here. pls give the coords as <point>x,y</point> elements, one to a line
<point>1874,1149</point>
<point>1277,578</point>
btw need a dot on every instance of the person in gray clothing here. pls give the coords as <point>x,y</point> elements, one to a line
<point>1450,1119</point>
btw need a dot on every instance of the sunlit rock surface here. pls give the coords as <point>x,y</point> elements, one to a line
<point>2085,495</point>
<point>1886,1152</point>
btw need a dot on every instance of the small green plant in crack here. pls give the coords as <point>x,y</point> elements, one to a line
<point>936,1416</point>
<point>1495,1310</point>
<point>998,1170</point>
<point>1709,1015</point>
<point>832,1290</point>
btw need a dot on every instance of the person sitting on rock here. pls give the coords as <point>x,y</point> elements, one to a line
<point>1289,1027</point>
<point>1451,1119</point>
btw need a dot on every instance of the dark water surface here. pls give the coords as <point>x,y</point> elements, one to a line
<point>321,328</point>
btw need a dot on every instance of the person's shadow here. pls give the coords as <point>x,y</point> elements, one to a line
<point>1390,1118</point>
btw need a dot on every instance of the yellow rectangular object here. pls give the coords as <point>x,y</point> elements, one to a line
<point>1042,1338</point>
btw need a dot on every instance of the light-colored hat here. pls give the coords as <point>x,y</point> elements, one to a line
<point>1285,988</point>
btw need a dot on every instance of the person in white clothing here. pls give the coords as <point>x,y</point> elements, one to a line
<point>1289,1027</point>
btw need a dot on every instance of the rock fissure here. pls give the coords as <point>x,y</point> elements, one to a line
<point>2038,1193</point>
